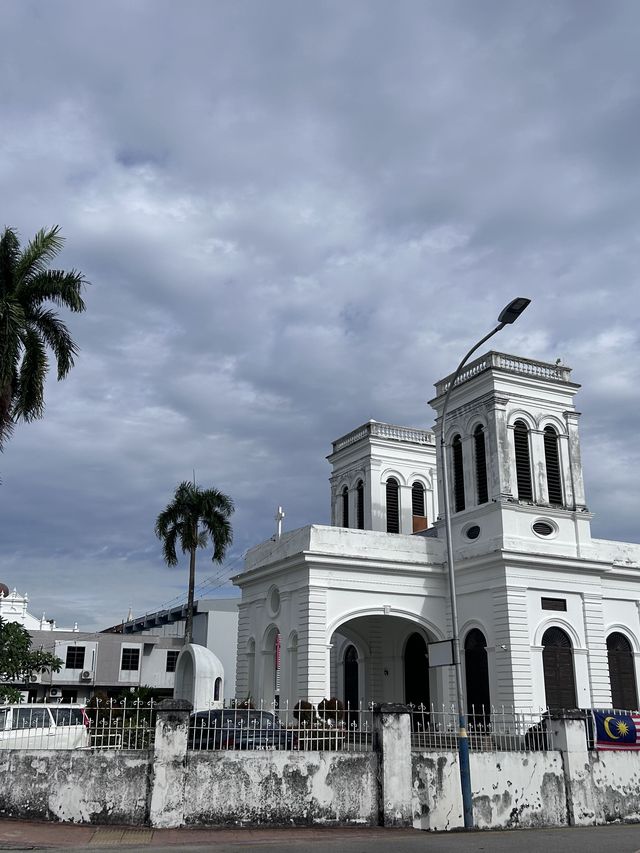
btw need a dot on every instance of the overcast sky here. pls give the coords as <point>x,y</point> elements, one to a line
<point>296,216</point>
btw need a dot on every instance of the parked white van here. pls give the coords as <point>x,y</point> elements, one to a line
<point>43,727</point>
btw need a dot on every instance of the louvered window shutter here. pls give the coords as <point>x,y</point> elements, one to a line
<point>523,462</point>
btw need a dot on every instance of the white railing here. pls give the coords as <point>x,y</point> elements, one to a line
<point>489,729</point>
<point>510,363</point>
<point>389,431</point>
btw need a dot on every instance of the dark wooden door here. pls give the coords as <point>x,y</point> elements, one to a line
<point>624,695</point>
<point>416,672</point>
<point>559,678</point>
<point>476,668</point>
<point>351,695</point>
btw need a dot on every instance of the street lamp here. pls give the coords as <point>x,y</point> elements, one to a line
<point>508,315</point>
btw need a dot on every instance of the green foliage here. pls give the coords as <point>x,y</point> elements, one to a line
<point>18,661</point>
<point>28,328</point>
<point>194,518</point>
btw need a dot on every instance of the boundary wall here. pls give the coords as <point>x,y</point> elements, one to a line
<point>393,785</point>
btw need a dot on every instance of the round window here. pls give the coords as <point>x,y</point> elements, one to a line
<point>473,532</point>
<point>544,528</point>
<point>274,600</point>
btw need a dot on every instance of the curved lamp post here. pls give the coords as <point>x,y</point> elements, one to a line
<point>508,315</point>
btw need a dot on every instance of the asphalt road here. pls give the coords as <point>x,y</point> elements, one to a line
<point>609,839</point>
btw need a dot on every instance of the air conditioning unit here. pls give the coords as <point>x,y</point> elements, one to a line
<point>55,692</point>
<point>86,675</point>
<point>34,678</point>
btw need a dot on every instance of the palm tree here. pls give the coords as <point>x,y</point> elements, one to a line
<point>28,327</point>
<point>194,517</point>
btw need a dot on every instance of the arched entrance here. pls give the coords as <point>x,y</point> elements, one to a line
<point>476,669</point>
<point>416,672</point>
<point>624,695</point>
<point>559,677</point>
<point>351,685</point>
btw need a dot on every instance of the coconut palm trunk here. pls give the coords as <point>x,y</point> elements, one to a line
<point>188,628</point>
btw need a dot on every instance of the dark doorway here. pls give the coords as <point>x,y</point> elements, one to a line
<point>624,695</point>
<point>476,668</point>
<point>416,672</point>
<point>351,693</point>
<point>559,678</point>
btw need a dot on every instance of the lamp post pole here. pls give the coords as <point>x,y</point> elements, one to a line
<point>508,315</point>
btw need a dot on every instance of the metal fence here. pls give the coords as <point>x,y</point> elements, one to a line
<point>108,725</point>
<point>304,727</point>
<point>489,730</point>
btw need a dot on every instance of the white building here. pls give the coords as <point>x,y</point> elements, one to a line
<point>548,615</point>
<point>13,608</point>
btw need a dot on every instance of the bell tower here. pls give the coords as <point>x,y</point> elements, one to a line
<point>384,478</point>
<point>514,452</point>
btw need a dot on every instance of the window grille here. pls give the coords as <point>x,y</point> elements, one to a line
<point>75,657</point>
<point>393,506</point>
<point>345,507</point>
<point>130,660</point>
<point>360,505</point>
<point>458,474</point>
<point>172,657</point>
<point>523,462</point>
<point>552,460</point>
<point>481,465</point>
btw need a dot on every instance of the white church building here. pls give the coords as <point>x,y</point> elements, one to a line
<point>549,616</point>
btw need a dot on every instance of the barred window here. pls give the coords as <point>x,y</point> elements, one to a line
<point>172,658</point>
<point>75,657</point>
<point>130,660</point>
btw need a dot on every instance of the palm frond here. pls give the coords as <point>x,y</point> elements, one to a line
<point>9,254</point>
<point>56,336</point>
<point>38,253</point>
<point>12,324</point>
<point>62,288</point>
<point>28,402</point>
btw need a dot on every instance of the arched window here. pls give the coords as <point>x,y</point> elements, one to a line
<point>360,505</point>
<point>393,506</point>
<point>523,461</point>
<point>552,460</point>
<point>345,507</point>
<point>624,695</point>
<point>476,667</point>
<point>458,474</point>
<point>481,464</point>
<point>217,687</point>
<point>557,661</point>
<point>418,507</point>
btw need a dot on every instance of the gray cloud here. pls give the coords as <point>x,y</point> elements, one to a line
<point>296,217</point>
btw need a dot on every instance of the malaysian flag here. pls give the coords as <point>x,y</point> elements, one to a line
<point>615,730</point>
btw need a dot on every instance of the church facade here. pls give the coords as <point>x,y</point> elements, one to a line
<point>549,616</point>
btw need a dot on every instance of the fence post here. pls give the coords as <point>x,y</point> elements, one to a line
<point>570,737</point>
<point>392,728</point>
<point>169,763</point>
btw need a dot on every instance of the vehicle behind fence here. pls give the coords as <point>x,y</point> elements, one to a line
<point>489,729</point>
<point>330,726</point>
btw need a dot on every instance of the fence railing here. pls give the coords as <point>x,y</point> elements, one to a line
<point>107,725</point>
<point>303,727</point>
<point>489,729</point>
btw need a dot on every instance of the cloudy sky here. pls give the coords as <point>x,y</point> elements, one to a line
<point>296,216</point>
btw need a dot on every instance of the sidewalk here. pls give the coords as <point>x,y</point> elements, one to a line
<point>30,835</point>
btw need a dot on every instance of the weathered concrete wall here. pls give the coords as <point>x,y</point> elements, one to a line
<point>510,789</point>
<point>76,786</point>
<point>281,788</point>
<point>615,782</point>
